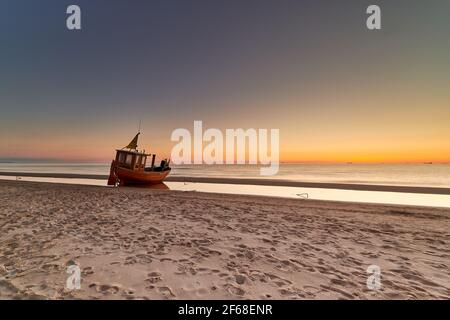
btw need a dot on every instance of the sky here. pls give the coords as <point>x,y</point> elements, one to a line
<point>337,91</point>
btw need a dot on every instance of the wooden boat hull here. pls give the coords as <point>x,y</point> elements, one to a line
<point>130,177</point>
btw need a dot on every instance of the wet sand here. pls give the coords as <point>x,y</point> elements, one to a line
<point>257,182</point>
<point>134,243</point>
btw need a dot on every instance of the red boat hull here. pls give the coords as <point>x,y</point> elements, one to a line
<point>130,177</point>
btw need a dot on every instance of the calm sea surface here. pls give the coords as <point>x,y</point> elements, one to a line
<point>431,175</point>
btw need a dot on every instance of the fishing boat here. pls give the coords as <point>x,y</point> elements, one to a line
<point>129,167</point>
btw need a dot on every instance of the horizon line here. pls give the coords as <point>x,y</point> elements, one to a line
<point>17,160</point>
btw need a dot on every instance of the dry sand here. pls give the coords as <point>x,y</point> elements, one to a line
<point>156,244</point>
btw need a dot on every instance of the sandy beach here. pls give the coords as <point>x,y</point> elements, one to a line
<point>133,243</point>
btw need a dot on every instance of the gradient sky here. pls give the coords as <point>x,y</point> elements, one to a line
<point>336,91</point>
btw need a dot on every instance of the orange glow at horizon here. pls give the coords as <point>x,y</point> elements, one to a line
<point>342,132</point>
<point>103,151</point>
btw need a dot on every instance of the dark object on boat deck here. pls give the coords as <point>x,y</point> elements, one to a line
<point>162,167</point>
<point>128,168</point>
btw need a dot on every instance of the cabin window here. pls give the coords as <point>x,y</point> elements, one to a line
<point>139,160</point>
<point>129,159</point>
<point>122,157</point>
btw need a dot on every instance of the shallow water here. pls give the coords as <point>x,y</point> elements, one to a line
<point>421,175</point>
<point>398,198</point>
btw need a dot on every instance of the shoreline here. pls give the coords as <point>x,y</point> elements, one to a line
<point>206,188</point>
<point>242,196</point>
<point>161,244</point>
<point>258,182</point>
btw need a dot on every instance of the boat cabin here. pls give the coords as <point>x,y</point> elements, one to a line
<point>133,160</point>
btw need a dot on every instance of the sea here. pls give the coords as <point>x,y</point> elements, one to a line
<point>418,175</point>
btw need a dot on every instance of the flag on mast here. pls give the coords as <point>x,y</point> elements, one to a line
<point>134,143</point>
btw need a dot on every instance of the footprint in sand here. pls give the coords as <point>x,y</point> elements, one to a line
<point>286,292</point>
<point>166,291</point>
<point>144,258</point>
<point>128,294</point>
<point>51,267</point>
<point>104,288</point>
<point>153,277</point>
<point>130,260</point>
<point>7,288</point>
<point>236,291</point>
<point>87,271</point>
<point>240,279</point>
<point>165,259</point>
<point>311,290</point>
<point>340,282</point>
